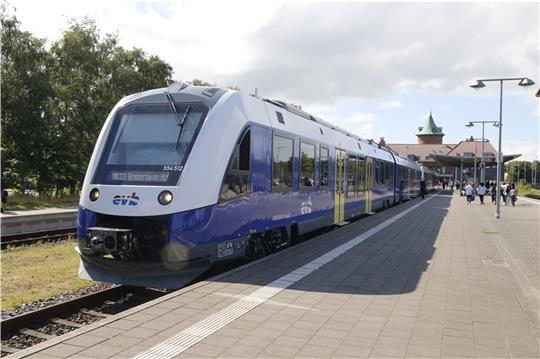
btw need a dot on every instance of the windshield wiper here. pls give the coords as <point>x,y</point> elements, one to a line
<point>179,122</point>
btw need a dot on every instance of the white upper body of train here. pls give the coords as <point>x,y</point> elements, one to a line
<point>202,172</point>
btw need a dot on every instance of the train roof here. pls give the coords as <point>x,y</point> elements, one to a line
<point>210,96</point>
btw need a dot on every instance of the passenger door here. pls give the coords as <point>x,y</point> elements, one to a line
<point>369,184</point>
<point>339,202</point>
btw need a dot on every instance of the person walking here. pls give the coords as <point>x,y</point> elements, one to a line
<point>503,192</point>
<point>469,192</point>
<point>422,187</point>
<point>481,190</point>
<point>513,195</point>
<point>507,190</point>
<point>493,194</point>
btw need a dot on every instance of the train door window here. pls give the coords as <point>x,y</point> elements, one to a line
<point>388,174</point>
<point>324,166</point>
<point>307,165</point>
<point>361,174</point>
<point>282,164</point>
<point>377,171</point>
<point>237,180</point>
<point>351,177</point>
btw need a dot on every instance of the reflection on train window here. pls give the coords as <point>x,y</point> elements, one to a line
<point>387,173</point>
<point>146,146</point>
<point>282,164</point>
<point>324,166</point>
<point>236,182</point>
<point>361,174</point>
<point>377,168</point>
<point>351,177</point>
<point>307,165</point>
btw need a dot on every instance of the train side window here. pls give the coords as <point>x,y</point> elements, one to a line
<point>377,171</point>
<point>351,179</point>
<point>237,180</point>
<point>282,164</point>
<point>325,152</point>
<point>307,165</point>
<point>361,174</point>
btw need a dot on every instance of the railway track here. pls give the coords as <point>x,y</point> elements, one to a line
<point>32,328</point>
<point>36,237</point>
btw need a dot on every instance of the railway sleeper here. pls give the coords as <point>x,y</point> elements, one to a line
<point>67,323</point>
<point>37,334</point>
<point>96,314</point>
<point>9,350</point>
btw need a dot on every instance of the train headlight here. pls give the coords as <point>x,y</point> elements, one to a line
<point>94,194</point>
<point>165,198</point>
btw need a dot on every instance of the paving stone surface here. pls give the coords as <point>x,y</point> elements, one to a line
<point>445,280</point>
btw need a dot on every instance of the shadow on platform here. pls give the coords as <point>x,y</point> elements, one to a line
<point>390,262</point>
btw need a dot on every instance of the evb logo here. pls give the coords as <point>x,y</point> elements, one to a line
<point>123,200</point>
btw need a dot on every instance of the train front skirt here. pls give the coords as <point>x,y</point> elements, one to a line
<point>140,273</point>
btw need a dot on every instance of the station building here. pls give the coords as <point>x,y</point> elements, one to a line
<point>455,161</point>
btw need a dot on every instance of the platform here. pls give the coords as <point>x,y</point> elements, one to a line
<point>39,220</point>
<point>428,278</point>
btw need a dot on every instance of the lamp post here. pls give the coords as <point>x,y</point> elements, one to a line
<point>523,81</point>
<point>482,163</point>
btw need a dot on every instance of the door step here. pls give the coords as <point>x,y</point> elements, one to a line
<point>341,224</point>
<point>370,213</point>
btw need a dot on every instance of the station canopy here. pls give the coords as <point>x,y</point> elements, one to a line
<point>456,161</point>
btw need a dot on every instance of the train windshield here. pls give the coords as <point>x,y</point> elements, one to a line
<point>147,145</point>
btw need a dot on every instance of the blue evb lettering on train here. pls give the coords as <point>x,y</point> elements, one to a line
<point>123,200</point>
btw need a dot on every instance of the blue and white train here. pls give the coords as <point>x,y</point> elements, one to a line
<point>185,177</point>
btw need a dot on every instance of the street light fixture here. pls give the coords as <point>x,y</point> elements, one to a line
<point>523,81</point>
<point>482,162</point>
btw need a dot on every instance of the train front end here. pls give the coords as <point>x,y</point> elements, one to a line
<point>132,195</point>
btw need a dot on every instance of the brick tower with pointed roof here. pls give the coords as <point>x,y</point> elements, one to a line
<point>430,133</point>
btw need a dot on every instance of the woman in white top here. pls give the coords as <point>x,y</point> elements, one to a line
<point>481,190</point>
<point>513,195</point>
<point>469,192</point>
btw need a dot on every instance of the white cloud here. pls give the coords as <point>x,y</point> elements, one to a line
<point>316,53</point>
<point>373,49</point>
<point>391,104</point>
<point>360,124</point>
<point>528,149</point>
<point>203,39</point>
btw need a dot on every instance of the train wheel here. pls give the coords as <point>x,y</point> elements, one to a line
<point>277,239</point>
<point>256,247</point>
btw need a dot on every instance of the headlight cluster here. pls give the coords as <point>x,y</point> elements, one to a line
<point>94,194</point>
<point>165,198</point>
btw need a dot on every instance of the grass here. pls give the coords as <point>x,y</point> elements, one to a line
<point>39,271</point>
<point>526,190</point>
<point>20,202</point>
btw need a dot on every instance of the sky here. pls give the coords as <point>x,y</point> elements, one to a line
<point>376,69</point>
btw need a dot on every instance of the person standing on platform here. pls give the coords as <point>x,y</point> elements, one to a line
<point>422,187</point>
<point>513,195</point>
<point>493,193</point>
<point>481,190</point>
<point>507,190</point>
<point>469,192</point>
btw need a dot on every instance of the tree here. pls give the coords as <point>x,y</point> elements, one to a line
<point>55,103</point>
<point>89,76</point>
<point>519,171</point>
<point>25,92</point>
<point>199,82</point>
